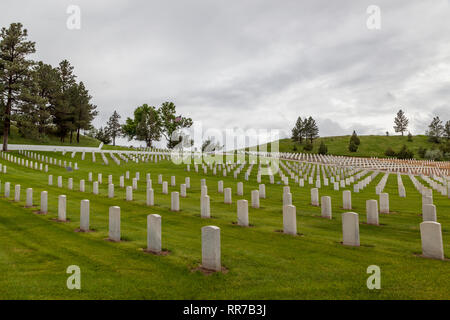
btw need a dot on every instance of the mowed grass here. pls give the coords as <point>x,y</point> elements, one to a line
<point>371,146</point>
<point>261,263</point>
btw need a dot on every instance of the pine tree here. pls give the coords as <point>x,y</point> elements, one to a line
<point>298,131</point>
<point>352,147</point>
<point>410,137</point>
<point>113,127</point>
<point>103,136</point>
<point>34,113</point>
<point>447,130</point>
<point>14,71</point>
<point>435,130</point>
<point>311,129</point>
<point>63,112</point>
<point>322,148</point>
<point>83,112</point>
<point>401,122</point>
<point>405,153</point>
<point>355,138</point>
<point>46,79</point>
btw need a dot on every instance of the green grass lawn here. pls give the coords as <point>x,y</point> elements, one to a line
<point>371,146</point>
<point>35,251</point>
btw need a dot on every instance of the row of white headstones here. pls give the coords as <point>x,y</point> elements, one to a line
<point>431,235</point>
<point>211,257</point>
<point>298,179</point>
<point>357,186</point>
<point>144,157</point>
<point>361,184</point>
<point>64,163</point>
<point>393,165</point>
<point>242,216</point>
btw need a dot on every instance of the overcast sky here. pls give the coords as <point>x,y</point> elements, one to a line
<point>254,63</point>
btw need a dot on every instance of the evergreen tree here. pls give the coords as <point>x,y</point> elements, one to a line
<point>435,130</point>
<point>33,115</point>
<point>298,131</point>
<point>405,153</point>
<point>447,130</point>
<point>401,122</point>
<point>422,151</point>
<point>323,148</point>
<point>113,127</point>
<point>311,129</point>
<point>83,112</point>
<point>14,71</point>
<point>103,136</point>
<point>410,137</point>
<point>355,138</point>
<point>308,146</point>
<point>352,147</point>
<point>47,80</point>
<point>390,152</point>
<point>63,113</point>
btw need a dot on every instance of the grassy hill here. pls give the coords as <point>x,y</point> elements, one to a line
<point>371,146</point>
<point>85,141</point>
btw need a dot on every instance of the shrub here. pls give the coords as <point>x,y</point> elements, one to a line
<point>44,138</point>
<point>421,152</point>
<point>445,147</point>
<point>410,138</point>
<point>390,152</point>
<point>323,148</point>
<point>434,139</point>
<point>435,154</point>
<point>308,146</point>
<point>352,147</point>
<point>294,148</point>
<point>405,153</point>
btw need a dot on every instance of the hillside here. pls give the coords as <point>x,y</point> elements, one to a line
<point>371,146</point>
<point>85,141</point>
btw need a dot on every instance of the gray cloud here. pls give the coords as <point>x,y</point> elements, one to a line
<point>254,63</point>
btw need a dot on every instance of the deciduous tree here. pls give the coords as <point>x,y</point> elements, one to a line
<point>171,122</point>
<point>144,126</point>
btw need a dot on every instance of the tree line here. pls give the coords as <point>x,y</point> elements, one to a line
<point>148,124</point>
<point>36,97</point>
<point>305,130</point>
<point>42,100</point>
<point>437,129</point>
<point>438,132</point>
